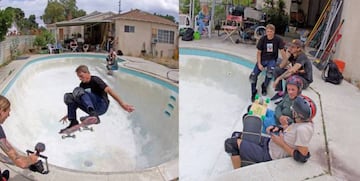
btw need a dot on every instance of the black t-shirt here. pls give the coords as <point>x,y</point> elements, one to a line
<point>96,86</point>
<point>270,48</point>
<point>2,133</point>
<point>306,66</point>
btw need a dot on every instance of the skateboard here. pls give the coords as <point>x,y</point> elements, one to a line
<point>252,127</point>
<point>84,125</point>
<point>259,107</point>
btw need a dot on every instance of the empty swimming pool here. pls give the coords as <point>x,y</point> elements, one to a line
<point>215,92</point>
<point>122,143</point>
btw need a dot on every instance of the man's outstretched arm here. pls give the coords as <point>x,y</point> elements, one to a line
<point>126,107</point>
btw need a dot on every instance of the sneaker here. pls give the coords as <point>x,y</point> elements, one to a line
<point>276,103</point>
<point>263,90</point>
<point>85,117</point>
<point>276,96</point>
<point>72,123</point>
<point>253,97</point>
<point>6,174</point>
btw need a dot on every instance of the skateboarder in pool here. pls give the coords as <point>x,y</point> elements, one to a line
<point>91,96</point>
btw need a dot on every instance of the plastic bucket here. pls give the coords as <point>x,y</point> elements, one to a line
<point>197,35</point>
<point>340,64</point>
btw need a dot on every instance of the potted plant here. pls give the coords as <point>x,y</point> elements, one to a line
<point>276,15</point>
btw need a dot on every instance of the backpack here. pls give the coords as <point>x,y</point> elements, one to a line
<point>331,73</point>
<point>188,35</point>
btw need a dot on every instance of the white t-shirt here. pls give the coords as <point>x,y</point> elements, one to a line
<point>297,134</point>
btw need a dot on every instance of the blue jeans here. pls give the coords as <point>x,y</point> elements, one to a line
<point>202,25</point>
<point>268,64</point>
<point>84,102</point>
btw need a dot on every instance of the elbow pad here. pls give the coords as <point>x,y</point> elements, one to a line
<point>299,157</point>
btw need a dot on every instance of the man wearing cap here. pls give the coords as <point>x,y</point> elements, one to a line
<point>297,64</point>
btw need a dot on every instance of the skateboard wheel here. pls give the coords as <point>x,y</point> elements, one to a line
<point>263,117</point>
<point>267,100</point>
<point>251,112</point>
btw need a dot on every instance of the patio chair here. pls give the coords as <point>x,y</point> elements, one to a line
<point>52,48</point>
<point>231,25</point>
<point>184,21</point>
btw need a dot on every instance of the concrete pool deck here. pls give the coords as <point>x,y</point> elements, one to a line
<point>335,142</point>
<point>163,172</point>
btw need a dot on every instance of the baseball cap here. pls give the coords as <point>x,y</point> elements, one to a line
<point>297,43</point>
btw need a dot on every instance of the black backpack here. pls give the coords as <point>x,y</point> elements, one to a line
<point>332,74</point>
<point>188,35</point>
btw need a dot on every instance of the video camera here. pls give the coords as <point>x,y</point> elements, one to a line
<point>39,166</point>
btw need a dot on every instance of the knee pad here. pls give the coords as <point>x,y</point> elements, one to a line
<point>231,146</point>
<point>252,78</point>
<point>270,72</point>
<point>236,134</point>
<point>78,92</point>
<point>68,98</point>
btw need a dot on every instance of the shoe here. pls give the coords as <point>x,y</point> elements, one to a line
<point>263,90</point>
<point>276,96</point>
<point>6,174</point>
<point>86,117</point>
<point>253,97</point>
<point>72,123</point>
<point>276,103</point>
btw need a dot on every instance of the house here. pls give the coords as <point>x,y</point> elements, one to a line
<point>92,28</point>
<point>138,32</point>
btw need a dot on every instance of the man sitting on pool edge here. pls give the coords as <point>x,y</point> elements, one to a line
<point>91,96</point>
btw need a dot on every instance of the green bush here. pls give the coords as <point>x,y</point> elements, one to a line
<point>44,38</point>
<point>276,15</point>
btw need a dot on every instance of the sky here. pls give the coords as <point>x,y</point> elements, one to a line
<point>37,7</point>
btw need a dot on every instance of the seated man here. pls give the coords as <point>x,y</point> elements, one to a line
<point>291,142</point>
<point>297,64</point>
<point>283,115</point>
<point>111,63</point>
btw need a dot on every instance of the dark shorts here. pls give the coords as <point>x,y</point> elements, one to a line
<point>253,152</point>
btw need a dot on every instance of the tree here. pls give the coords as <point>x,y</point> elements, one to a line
<point>6,17</point>
<point>61,10</point>
<point>54,12</point>
<point>169,17</point>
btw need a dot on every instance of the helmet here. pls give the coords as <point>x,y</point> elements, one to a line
<point>296,80</point>
<point>304,108</point>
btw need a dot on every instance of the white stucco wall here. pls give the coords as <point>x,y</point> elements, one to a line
<point>132,43</point>
<point>347,49</point>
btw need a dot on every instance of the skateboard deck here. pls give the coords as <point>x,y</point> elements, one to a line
<point>252,126</point>
<point>259,107</point>
<point>84,125</point>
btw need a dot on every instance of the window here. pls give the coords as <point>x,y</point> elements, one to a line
<point>165,36</point>
<point>129,29</point>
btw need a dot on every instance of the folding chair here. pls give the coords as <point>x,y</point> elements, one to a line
<point>231,25</point>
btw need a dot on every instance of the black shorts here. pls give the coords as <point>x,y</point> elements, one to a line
<point>253,152</point>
